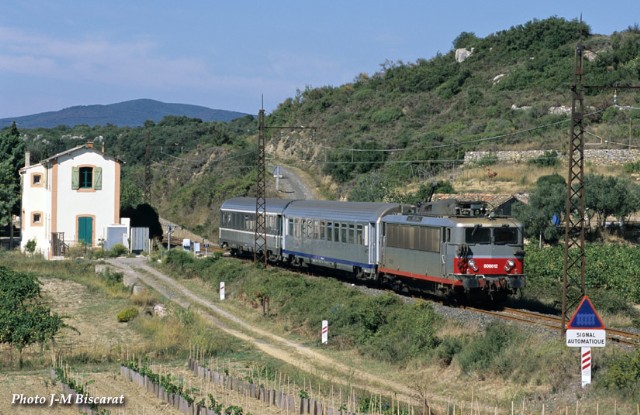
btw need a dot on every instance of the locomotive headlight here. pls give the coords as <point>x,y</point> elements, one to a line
<point>473,265</point>
<point>509,265</point>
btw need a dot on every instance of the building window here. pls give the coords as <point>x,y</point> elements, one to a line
<point>36,180</point>
<point>86,177</point>
<point>36,219</point>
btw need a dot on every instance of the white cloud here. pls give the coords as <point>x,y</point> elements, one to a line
<point>96,60</point>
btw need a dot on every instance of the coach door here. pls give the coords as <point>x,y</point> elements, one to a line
<point>447,251</point>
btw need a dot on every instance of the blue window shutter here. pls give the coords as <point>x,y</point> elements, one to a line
<point>97,178</point>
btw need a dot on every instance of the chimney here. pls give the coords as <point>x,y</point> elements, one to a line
<point>27,158</point>
<point>89,144</point>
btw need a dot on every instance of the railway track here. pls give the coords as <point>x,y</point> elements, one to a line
<point>553,322</point>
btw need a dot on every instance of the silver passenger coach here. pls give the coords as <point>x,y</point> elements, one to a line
<point>334,234</point>
<point>238,225</point>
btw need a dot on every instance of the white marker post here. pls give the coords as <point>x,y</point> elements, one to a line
<point>222,290</point>
<point>325,331</point>
<point>585,353</point>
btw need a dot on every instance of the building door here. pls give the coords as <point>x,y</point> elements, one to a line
<point>85,230</point>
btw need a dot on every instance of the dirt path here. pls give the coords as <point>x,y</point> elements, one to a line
<point>303,357</point>
<point>296,184</point>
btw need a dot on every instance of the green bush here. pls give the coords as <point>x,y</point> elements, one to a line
<point>488,160</point>
<point>548,159</point>
<point>30,247</point>
<point>633,167</point>
<point>118,250</point>
<point>447,349</point>
<point>623,374</point>
<point>112,277</point>
<point>127,314</point>
<point>483,351</point>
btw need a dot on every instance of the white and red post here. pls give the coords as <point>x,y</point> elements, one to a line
<point>585,361</point>
<point>325,331</point>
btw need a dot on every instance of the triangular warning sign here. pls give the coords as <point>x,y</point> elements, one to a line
<point>585,317</point>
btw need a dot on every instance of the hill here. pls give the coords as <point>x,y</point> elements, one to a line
<point>412,120</point>
<point>123,114</point>
<point>385,134</point>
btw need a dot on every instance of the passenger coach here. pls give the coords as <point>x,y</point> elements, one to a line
<point>238,225</point>
<point>336,235</point>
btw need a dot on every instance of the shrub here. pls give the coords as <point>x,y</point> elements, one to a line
<point>447,349</point>
<point>118,250</point>
<point>481,352</point>
<point>548,159</point>
<point>30,247</point>
<point>127,314</point>
<point>623,374</point>
<point>488,160</point>
<point>633,167</point>
<point>112,277</point>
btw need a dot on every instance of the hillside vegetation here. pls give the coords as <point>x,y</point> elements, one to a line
<point>384,133</point>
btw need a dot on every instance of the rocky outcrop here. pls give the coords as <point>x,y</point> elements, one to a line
<point>462,54</point>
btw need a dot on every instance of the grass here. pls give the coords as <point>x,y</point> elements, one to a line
<point>514,371</point>
<point>511,358</point>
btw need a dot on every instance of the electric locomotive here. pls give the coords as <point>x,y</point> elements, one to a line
<point>454,247</point>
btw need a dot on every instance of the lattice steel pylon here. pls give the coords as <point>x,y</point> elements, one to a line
<point>260,240</point>
<point>574,245</point>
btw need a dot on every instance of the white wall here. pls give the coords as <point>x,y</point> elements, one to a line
<point>36,199</point>
<point>99,203</point>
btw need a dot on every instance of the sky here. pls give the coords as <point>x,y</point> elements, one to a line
<point>239,54</point>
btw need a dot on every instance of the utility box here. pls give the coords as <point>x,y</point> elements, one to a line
<point>139,240</point>
<point>116,234</point>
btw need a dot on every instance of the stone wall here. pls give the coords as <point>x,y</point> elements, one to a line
<point>590,155</point>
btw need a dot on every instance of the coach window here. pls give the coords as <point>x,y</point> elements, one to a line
<point>351,234</point>
<point>290,230</point>
<point>322,230</point>
<point>329,231</point>
<point>343,232</point>
<point>296,227</point>
<point>359,235</point>
<point>271,224</point>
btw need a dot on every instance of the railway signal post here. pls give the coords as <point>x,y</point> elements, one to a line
<point>586,330</point>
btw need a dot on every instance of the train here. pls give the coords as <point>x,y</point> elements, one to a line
<point>448,247</point>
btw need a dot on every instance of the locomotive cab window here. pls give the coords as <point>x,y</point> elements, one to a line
<point>505,236</point>
<point>478,235</point>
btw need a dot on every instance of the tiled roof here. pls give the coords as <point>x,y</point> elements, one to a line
<point>493,199</point>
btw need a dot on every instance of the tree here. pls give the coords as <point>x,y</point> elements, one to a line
<point>547,200</point>
<point>24,318</point>
<point>604,195</point>
<point>11,154</point>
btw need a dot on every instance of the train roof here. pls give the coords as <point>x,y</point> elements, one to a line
<point>419,219</point>
<point>450,221</point>
<point>248,204</point>
<point>341,211</point>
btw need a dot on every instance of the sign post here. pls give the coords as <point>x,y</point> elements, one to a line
<point>222,290</point>
<point>325,331</point>
<point>586,330</point>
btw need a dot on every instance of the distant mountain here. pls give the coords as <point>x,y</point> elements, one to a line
<point>123,114</point>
